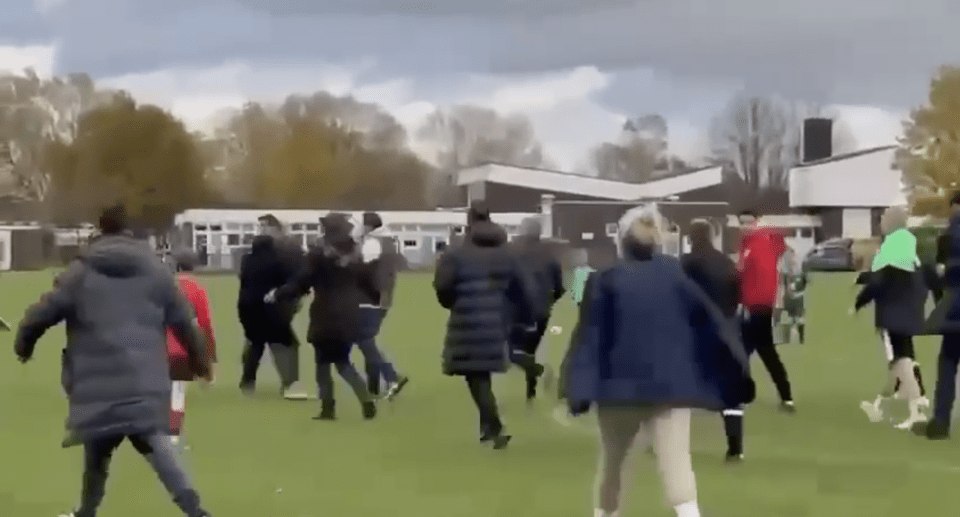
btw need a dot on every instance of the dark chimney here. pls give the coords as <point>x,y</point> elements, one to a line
<point>817,139</point>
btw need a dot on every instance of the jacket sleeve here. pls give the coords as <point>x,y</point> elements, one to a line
<point>300,284</point>
<point>522,292</point>
<point>580,367</point>
<point>703,312</point>
<point>870,290</point>
<point>933,281</point>
<point>582,315</point>
<point>444,278</point>
<point>179,317</point>
<point>52,308</point>
<point>202,307</point>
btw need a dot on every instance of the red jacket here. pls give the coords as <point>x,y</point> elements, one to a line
<point>760,253</point>
<point>197,296</point>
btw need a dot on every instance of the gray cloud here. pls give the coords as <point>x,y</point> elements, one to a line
<point>852,51</point>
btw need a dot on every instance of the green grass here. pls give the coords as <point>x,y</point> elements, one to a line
<point>421,457</point>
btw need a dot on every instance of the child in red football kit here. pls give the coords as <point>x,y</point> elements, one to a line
<point>180,371</point>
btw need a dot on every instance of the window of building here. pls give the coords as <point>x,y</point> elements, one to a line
<point>611,229</point>
<point>411,243</point>
<point>216,228</point>
<point>297,227</point>
<point>313,227</point>
<point>233,239</point>
<point>806,233</point>
<point>248,239</point>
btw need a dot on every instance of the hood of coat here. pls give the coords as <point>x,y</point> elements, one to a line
<point>486,234</point>
<point>120,256</point>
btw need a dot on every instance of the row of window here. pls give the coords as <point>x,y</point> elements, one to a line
<point>315,228</point>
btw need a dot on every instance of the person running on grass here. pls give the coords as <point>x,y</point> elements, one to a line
<point>716,274</point>
<point>180,372</point>
<point>286,356</point>
<point>118,300</point>
<point>898,289</point>
<point>547,274</point>
<point>339,280</point>
<point>479,281</point>
<point>262,270</point>
<point>652,347</point>
<point>379,251</point>
<point>760,251</point>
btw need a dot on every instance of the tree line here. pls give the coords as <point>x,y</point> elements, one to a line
<point>73,146</point>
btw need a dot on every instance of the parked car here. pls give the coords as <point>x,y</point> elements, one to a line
<point>830,255</point>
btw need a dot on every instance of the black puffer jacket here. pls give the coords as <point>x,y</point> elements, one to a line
<point>478,282</point>
<point>542,265</point>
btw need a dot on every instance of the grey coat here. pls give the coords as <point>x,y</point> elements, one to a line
<point>117,300</point>
<point>479,282</point>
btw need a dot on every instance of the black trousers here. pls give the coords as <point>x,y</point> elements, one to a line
<point>481,390</point>
<point>524,343</point>
<point>757,329</point>
<point>156,449</point>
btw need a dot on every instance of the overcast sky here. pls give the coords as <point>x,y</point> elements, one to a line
<point>577,71</point>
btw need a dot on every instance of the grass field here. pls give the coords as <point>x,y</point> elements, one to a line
<point>264,457</point>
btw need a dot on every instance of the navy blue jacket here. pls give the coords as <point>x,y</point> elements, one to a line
<point>945,318</point>
<point>653,337</point>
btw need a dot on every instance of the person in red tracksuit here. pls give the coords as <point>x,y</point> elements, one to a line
<point>180,372</point>
<point>760,251</point>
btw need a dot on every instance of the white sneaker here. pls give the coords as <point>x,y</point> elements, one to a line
<point>66,515</point>
<point>293,392</point>
<point>874,413</point>
<point>916,414</point>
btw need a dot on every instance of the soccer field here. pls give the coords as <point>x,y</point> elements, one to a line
<point>264,457</point>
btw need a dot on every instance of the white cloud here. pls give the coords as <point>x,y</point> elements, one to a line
<point>563,106</point>
<point>39,57</point>
<point>48,6</point>
<point>872,126</point>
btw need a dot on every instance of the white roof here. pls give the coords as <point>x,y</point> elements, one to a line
<point>862,179</point>
<point>554,181</point>
<point>451,217</point>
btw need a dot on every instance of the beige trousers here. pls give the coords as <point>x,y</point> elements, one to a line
<point>666,429</point>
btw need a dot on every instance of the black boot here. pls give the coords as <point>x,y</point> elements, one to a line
<point>369,409</point>
<point>328,410</point>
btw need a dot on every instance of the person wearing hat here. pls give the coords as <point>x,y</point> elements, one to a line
<point>180,373</point>
<point>339,280</point>
<point>379,252</point>
<point>118,300</point>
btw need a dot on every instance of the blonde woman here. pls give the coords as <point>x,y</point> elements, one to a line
<point>651,347</point>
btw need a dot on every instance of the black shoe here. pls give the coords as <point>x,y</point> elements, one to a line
<point>501,441</point>
<point>369,410</point>
<point>788,407</point>
<point>733,457</point>
<point>328,411</point>
<point>247,387</point>
<point>936,431</point>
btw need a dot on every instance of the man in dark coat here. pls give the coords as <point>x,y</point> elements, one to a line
<point>286,357</point>
<point>118,300</point>
<point>717,275</point>
<point>478,282</point>
<point>264,324</point>
<point>544,268</point>
<point>945,320</point>
<point>339,280</point>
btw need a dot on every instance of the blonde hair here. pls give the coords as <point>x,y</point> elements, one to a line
<point>643,225</point>
<point>894,218</point>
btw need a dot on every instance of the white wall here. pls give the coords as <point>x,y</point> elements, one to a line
<point>857,223</point>
<point>865,180</point>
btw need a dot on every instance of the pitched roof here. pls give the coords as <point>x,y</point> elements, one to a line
<point>578,184</point>
<point>846,156</point>
<point>867,178</point>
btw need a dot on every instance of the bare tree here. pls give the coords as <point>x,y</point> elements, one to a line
<point>466,136</point>
<point>641,153</point>
<point>758,139</point>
